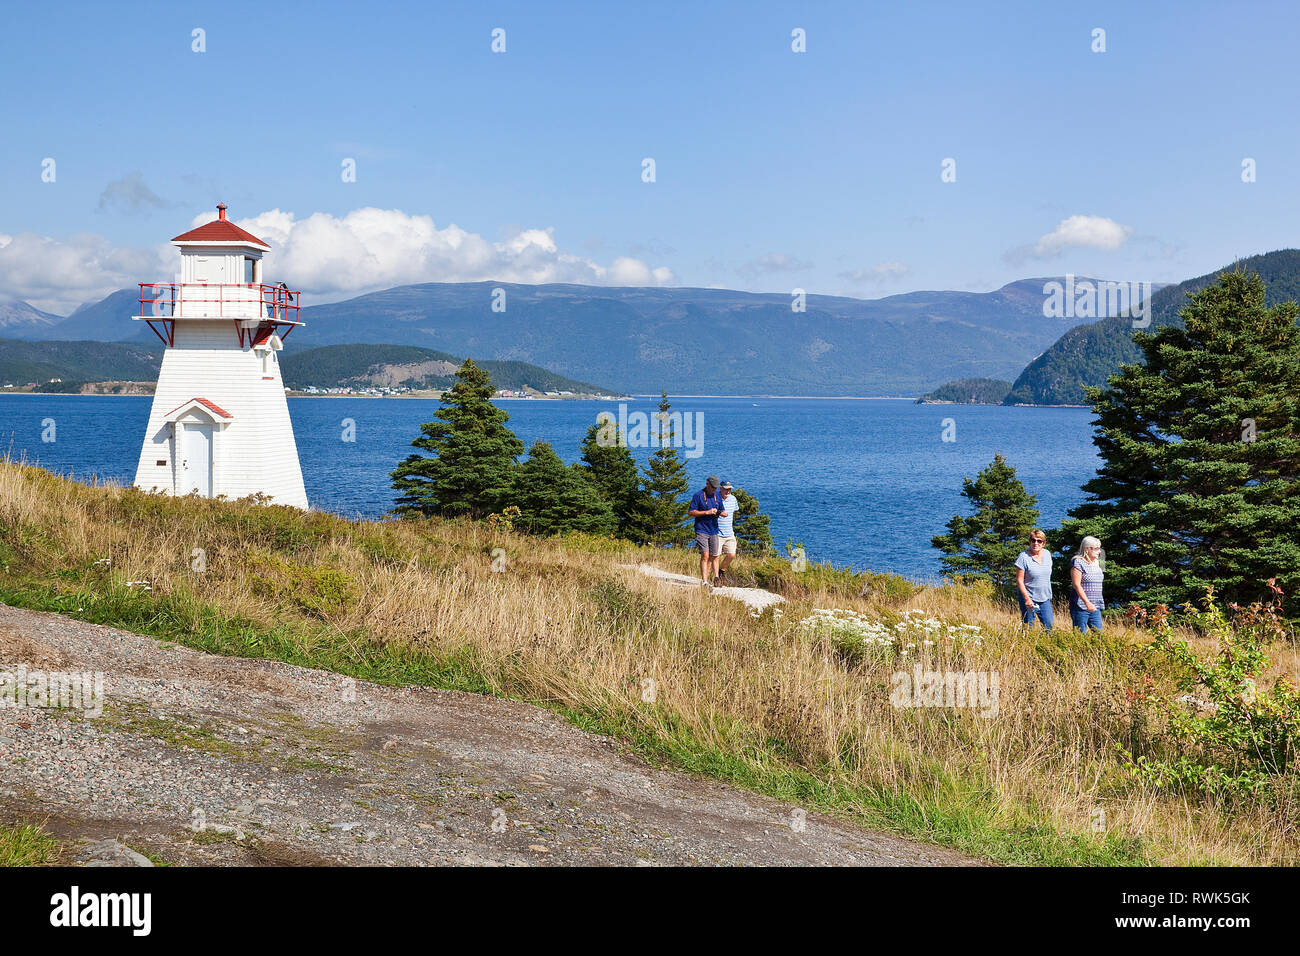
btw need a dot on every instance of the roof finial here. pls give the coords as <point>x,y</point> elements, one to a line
<point>221,210</point>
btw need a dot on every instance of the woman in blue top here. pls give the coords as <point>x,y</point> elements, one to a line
<point>1085,591</point>
<point>1034,579</point>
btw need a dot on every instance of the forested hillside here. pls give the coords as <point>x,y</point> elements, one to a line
<point>1089,354</point>
<point>334,366</point>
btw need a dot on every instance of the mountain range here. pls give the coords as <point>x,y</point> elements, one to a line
<point>19,318</point>
<point>685,341</point>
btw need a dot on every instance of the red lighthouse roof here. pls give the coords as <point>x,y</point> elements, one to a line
<point>221,230</point>
<point>209,405</point>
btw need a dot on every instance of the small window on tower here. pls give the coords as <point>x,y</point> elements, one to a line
<point>248,270</point>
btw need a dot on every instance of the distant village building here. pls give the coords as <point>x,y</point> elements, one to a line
<point>220,421</point>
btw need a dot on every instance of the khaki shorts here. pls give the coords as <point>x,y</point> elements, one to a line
<point>709,544</point>
<point>729,545</point>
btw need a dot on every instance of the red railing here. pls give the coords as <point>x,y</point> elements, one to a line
<point>271,306</point>
<point>170,300</point>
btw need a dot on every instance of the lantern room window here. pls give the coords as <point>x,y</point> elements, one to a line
<point>250,270</point>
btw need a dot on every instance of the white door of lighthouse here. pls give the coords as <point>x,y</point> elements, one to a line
<point>196,465</point>
<point>210,269</point>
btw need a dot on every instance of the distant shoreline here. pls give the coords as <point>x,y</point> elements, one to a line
<point>538,398</point>
<point>624,398</point>
<point>827,398</point>
<point>936,401</point>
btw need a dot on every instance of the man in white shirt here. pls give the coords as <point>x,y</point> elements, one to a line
<point>726,529</point>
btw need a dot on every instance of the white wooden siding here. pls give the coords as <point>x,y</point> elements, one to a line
<point>256,452</point>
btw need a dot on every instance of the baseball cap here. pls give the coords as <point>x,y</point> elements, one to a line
<point>711,481</point>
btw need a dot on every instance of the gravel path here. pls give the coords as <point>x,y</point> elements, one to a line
<point>199,759</point>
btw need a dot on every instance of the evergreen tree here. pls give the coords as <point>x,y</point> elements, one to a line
<point>553,498</point>
<point>987,543</point>
<point>475,454</point>
<point>607,464</point>
<point>753,528</point>
<point>1201,454</point>
<point>665,482</point>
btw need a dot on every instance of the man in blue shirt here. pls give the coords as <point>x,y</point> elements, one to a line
<point>706,506</point>
<point>726,531</point>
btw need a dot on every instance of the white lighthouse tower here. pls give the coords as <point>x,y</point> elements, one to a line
<point>220,422</point>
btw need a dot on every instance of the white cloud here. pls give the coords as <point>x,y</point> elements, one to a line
<point>875,275</point>
<point>328,257</point>
<point>130,194</point>
<point>770,263</point>
<point>370,249</point>
<point>1093,232</point>
<point>628,271</point>
<point>57,275</point>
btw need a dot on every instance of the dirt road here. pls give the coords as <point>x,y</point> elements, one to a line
<point>198,759</point>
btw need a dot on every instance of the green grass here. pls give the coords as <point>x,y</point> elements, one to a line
<point>957,814</point>
<point>951,815</point>
<point>153,857</point>
<point>27,846</point>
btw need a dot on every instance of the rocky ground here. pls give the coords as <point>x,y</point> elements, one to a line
<point>206,760</point>
<point>756,599</point>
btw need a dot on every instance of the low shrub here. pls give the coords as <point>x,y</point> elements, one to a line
<point>1228,736</point>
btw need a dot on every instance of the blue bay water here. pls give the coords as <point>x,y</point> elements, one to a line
<point>864,483</point>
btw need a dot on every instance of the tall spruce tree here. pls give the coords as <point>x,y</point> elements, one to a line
<point>1201,455</point>
<point>986,543</point>
<point>553,498</point>
<point>607,464</point>
<point>474,454</point>
<point>753,528</point>
<point>665,482</point>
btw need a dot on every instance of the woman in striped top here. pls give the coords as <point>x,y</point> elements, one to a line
<point>1085,593</point>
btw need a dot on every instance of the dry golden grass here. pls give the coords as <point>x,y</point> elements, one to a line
<point>566,626</point>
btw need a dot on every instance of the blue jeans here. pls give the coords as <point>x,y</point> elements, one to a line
<point>1083,618</point>
<point>1042,610</point>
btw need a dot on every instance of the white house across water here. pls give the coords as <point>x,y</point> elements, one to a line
<point>220,422</point>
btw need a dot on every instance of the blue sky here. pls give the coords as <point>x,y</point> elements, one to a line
<point>774,169</point>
